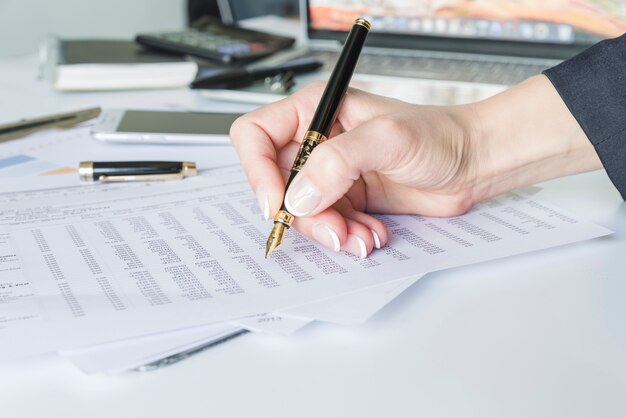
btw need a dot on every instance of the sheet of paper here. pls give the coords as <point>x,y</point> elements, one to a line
<point>257,324</point>
<point>123,355</point>
<point>345,309</point>
<point>128,354</point>
<point>362,305</point>
<point>353,308</point>
<point>114,265</point>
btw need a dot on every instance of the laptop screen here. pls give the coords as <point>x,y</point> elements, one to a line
<point>547,22</point>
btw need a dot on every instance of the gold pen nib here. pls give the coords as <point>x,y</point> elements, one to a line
<point>282,222</point>
<point>275,238</point>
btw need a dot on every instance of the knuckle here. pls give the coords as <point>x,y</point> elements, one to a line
<point>391,124</point>
<point>463,205</point>
<point>237,127</point>
<point>458,205</point>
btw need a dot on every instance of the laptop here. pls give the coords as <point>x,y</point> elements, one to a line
<point>485,41</point>
<point>455,51</point>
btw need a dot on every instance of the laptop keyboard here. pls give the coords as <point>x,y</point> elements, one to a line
<point>436,66</point>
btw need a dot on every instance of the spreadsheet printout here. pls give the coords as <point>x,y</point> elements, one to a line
<point>111,262</point>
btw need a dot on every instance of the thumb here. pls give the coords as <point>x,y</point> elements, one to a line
<point>337,163</point>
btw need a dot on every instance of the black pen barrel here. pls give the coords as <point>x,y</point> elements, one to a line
<point>135,170</point>
<point>339,79</point>
<point>140,168</point>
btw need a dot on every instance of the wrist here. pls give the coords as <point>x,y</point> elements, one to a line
<point>526,135</point>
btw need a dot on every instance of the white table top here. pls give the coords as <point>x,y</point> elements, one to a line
<point>535,335</point>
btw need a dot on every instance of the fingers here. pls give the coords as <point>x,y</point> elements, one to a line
<point>328,228</point>
<point>335,165</point>
<point>341,228</point>
<point>257,136</point>
<point>374,228</point>
<point>267,140</point>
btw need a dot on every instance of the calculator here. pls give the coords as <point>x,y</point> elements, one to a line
<point>217,41</point>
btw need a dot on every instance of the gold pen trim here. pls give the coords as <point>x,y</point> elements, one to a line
<point>310,141</point>
<point>189,169</point>
<point>360,21</point>
<point>85,171</point>
<point>284,218</point>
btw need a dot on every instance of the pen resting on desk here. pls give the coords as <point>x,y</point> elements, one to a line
<point>135,170</point>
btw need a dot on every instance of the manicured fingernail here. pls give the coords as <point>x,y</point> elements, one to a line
<point>302,196</point>
<point>264,202</point>
<point>355,245</point>
<point>376,239</point>
<point>326,236</point>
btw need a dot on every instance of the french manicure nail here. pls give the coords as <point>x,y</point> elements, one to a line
<point>376,239</point>
<point>326,236</point>
<point>355,245</point>
<point>302,196</point>
<point>264,202</point>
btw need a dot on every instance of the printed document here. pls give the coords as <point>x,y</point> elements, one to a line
<point>86,265</point>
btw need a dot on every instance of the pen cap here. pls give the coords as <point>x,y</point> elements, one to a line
<point>340,78</point>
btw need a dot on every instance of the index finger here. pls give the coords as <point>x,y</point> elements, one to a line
<point>259,135</point>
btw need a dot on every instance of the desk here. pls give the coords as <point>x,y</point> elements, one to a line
<point>536,335</point>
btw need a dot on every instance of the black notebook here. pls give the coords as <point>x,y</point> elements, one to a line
<point>115,64</point>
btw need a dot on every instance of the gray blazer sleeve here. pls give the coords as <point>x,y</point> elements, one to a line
<point>593,86</point>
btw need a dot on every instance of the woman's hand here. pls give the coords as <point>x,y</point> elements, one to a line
<point>387,156</point>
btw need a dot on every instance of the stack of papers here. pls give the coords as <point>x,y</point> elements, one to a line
<point>115,276</point>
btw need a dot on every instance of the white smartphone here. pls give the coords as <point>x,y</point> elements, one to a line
<point>163,127</point>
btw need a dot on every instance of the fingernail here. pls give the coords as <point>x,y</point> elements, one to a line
<point>326,236</point>
<point>376,239</point>
<point>264,202</point>
<point>302,196</point>
<point>355,245</point>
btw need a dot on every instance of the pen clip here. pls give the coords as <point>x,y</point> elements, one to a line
<point>141,177</point>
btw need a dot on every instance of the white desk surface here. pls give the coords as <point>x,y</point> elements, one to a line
<point>536,335</point>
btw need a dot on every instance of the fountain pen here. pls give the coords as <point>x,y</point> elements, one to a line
<point>323,120</point>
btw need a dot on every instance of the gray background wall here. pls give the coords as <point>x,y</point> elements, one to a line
<point>24,23</point>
